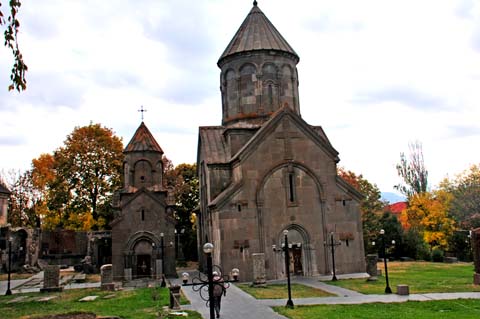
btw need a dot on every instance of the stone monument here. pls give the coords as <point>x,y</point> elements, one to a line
<point>372,260</point>
<point>476,255</point>
<point>259,275</point>
<point>51,279</point>
<point>107,277</point>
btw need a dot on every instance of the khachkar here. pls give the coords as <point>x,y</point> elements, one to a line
<point>476,255</point>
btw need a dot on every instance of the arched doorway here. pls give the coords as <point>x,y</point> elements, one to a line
<point>299,252</point>
<point>143,251</point>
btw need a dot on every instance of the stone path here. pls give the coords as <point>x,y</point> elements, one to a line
<point>236,304</point>
<point>35,283</point>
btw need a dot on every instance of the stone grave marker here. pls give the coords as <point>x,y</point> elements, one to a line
<point>45,299</point>
<point>88,298</point>
<point>107,277</point>
<point>51,279</point>
<point>259,273</point>
<point>372,260</point>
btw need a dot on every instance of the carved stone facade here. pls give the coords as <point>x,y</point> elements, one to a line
<point>266,170</point>
<point>143,214</point>
<point>4,196</point>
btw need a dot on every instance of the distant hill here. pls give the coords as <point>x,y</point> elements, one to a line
<point>392,197</point>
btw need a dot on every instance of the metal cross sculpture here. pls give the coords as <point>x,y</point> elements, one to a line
<point>203,284</point>
<point>332,244</point>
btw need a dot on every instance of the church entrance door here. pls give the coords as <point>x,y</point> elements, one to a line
<point>143,266</point>
<point>297,260</point>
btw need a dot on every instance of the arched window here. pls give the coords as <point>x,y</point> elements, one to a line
<point>143,174</point>
<point>270,87</point>
<point>230,94</point>
<point>247,88</point>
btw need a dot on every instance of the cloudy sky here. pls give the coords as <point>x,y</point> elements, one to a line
<point>376,74</point>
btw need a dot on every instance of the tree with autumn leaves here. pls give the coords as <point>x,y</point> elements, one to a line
<point>427,214</point>
<point>74,185</point>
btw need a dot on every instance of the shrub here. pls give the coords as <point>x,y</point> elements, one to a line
<point>437,255</point>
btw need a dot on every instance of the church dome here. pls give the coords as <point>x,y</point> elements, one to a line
<point>257,33</point>
<point>259,73</point>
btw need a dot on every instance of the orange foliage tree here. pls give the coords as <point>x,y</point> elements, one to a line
<point>427,214</point>
<point>77,182</point>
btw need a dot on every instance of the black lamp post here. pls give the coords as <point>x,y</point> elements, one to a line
<point>388,290</point>
<point>287,269</point>
<point>198,283</point>
<point>332,245</point>
<point>9,292</point>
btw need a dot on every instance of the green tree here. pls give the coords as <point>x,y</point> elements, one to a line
<point>11,25</point>
<point>465,203</point>
<point>412,171</point>
<point>393,232</point>
<point>184,181</point>
<point>23,199</point>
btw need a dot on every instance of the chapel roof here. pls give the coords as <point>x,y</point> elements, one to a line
<point>257,33</point>
<point>4,189</point>
<point>215,147</point>
<point>143,141</point>
<point>214,144</point>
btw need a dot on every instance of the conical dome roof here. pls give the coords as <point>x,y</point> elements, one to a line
<point>257,33</point>
<point>143,141</point>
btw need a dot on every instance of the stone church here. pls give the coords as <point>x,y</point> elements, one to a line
<point>4,196</point>
<point>266,170</point>
<point>143,213</point>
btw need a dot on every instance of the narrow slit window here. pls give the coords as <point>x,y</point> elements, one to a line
<point>239,207</point>
<point>143,214</point>
<point>270,95</point>
<point>291,184</point>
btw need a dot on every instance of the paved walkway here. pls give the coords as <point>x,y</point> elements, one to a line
<point>235,305</point>
<point>35,283</point>
<point>345,296</point>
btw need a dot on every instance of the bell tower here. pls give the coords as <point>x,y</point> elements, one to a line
<point>258,72</point>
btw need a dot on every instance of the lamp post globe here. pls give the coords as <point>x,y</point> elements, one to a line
<point>235,273</point>
<point>208,248</point>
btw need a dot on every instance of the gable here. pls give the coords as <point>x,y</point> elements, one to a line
<point>289,120</point>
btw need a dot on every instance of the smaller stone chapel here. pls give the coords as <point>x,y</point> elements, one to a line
<point>265,169</point>
<point>143,227</point>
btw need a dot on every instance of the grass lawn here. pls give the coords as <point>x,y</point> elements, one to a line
<point>458,309</point>
<point>280,291</point>
<point>422,277</point>
<point>138,304</point>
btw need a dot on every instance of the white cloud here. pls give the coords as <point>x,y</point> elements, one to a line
<point>375,74</point>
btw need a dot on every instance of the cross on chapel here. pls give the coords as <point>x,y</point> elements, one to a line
<point>286,135</point>
<point>142,110</point>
